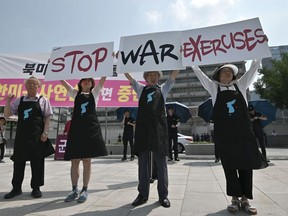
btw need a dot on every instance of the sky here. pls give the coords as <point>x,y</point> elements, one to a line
<point>36,26</point>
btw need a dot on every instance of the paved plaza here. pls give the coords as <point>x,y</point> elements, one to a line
<point>196,188</point>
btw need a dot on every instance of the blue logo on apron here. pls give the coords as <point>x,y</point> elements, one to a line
<point>83,107</point>
<point>230,106</point>
<point>149,97</point>
<point>26,113</point>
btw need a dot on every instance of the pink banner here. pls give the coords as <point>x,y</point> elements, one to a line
<point>115,93</point>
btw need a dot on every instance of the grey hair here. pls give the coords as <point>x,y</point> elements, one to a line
<point>32,77</point>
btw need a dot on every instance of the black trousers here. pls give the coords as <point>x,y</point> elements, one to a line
<point>37,170</point>
<point>260,136</point>
<point>127,139</point>
<point>239,183</point>
<point>2,149</point>
<point>173,137</point>
<point>144,174</point>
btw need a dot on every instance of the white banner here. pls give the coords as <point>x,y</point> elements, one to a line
<point>224,43</point>
<point>148,52</point>
<point>23,65</point>
<point>75,62</point>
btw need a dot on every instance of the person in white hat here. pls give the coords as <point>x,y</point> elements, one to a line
<point>236,142</point>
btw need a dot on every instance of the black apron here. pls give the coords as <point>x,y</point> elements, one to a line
<point>85,138</point>
<point>234,134</point>
<point>151,132</point>
<point>28,145</point>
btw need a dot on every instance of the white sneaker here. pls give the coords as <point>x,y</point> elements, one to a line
<point>83,197</point>
<point>71,196</point>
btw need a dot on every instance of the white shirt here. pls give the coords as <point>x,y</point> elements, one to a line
<point>243,82</point>
<point>72,92</point>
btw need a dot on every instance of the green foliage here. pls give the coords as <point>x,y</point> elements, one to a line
<point>273,85</point>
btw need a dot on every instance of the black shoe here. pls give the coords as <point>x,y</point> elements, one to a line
<point>12,194</point>
<point>152,180</point>
<point>36,193</point>
<point>132,159</point>
<point>217,160</point>
<point>165,202</point>
<point>139,200</point>
<point>123,159</point>
<point>170,159</point>
<point>177,159</point>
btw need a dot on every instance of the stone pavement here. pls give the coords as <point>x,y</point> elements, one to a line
<point>196,187</point>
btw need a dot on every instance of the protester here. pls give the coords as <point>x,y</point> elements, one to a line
<point>128,134</point>
<point>173,122</point>
<point>85,139</point>
<point>233,132</point>
<point>31,141</point>
<point>2,138</point>
<point>256,119</point>
<point>151,133</point>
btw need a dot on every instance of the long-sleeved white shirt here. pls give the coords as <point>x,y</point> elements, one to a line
<point>243,82</point>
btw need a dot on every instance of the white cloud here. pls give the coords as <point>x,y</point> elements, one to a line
<point>153,17</point>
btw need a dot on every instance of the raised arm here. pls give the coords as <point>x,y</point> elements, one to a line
<point>66,84</point>
<point>174,74</point>
<point>7,108</point>
<point>101,82</point>
<point>129,77</point>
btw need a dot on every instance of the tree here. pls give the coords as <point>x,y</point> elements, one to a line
<point>273,84</point>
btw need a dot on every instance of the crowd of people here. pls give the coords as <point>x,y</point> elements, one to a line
<point>152,134</point>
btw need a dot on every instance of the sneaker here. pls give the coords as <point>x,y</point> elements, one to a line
<point>71,196</point>
<point>83,197</point>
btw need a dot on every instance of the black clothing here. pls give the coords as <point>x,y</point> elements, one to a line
<point>29,129</point>
<point>258,131</point>
<point>239,183</point>
<point>2,147</point>
<point>236,142</point>
<point>151,132</point>
<point>144,172</point>
<point>128,136</point>
<point>85,138</point>
<point>233,131</point>
<point>173,120</point>
<point>28,146</point>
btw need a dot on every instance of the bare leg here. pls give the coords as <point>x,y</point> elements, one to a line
<point>74,172</point>
<point>86,171</point>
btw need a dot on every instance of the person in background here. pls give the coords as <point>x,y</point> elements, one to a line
<point>119,140</point>
<point>68,125</point>
<point>34,111</point>
<point>173,122</point>
<point>256,119</point>
<point>151,133</point>
<point>2,138</point>
<point>128,134</point>
<point>274,133</point>
<point>233,131</point>
<point>85,139</point>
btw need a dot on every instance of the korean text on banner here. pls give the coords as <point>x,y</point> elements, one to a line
<point>224,43</point>
<point>149,52</point>
<point>82,61</point>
